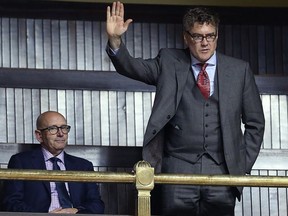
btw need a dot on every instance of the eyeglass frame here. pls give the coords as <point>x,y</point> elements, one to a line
<point>202,36</point>
<point>68,127</point>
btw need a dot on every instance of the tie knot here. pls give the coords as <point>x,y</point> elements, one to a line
<point>202,65</point>
<point>54,159</point>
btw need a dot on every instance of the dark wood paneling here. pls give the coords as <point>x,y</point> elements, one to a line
<point>99,80</point>
<point>272,84</point>
<point>139,12</point>
<point>68,79</point>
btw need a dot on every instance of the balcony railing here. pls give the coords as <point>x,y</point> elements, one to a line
<point>144,179</point>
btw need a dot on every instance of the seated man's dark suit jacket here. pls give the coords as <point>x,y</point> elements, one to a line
<point>35,196</point>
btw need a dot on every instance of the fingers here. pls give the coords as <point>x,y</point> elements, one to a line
<point>114,5</point>
<point>111,12</point>
<point>116,10</point>
<point>120,9</point>
<point>127,23</point>
<point>56,210</point>
<point>108,14</point>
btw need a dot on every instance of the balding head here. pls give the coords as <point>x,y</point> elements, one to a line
<point>44,118</point>
<point>52,140</point>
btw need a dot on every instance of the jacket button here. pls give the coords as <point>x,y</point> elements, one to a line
<point>168,116</point>
<point>154,132</point>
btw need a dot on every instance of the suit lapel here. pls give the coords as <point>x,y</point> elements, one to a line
<point>182,69</point>
<point>70,165</point>
<point>38,160</point>
<point>39,164</point>
<point>224,85</point>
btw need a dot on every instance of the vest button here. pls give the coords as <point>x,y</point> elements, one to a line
<point>154,132</point>
<point>206,125</point>
<point>206,115</point>
<point>168,116</point>
<point>206,135</point>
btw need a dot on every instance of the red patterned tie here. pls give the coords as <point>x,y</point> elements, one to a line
<point>203,81</point>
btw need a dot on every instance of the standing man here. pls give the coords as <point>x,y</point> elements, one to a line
<point>38,196</point>
<point>202,96</point>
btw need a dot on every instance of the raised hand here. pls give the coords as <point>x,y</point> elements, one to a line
<point>115,24</point>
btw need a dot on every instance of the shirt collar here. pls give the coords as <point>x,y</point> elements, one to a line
<point>211,61</point>
<point>48,155</point>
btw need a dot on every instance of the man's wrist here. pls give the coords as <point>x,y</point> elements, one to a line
<point>114,42</point>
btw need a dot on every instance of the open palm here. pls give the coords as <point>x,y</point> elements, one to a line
<point>115,24</point>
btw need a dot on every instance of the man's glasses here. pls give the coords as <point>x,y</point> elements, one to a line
<point>54,129</point>
<point>199,37</point>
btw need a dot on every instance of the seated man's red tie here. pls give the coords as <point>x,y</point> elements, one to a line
<point>203,81</point>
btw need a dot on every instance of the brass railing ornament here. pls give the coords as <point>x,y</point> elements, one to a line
<point>144,185</point>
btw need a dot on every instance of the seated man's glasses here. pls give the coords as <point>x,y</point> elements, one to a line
<point>199,37</point>
<point>54,129</point>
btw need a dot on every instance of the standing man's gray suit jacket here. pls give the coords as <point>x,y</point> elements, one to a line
<point>239,100</point>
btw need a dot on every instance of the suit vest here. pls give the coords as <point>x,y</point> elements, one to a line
<point>195,129</point>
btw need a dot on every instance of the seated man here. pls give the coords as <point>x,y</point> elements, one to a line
<point>43,196</point>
